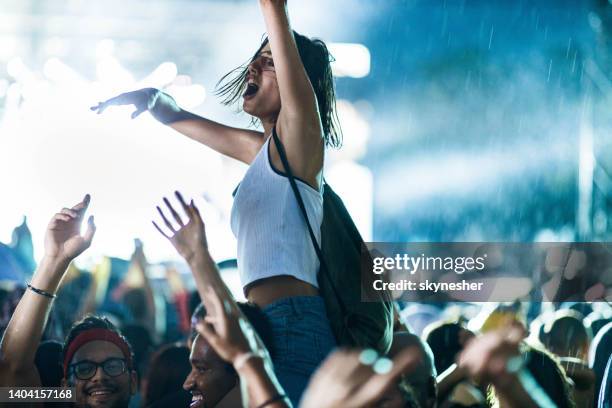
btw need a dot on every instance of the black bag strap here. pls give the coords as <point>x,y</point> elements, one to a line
<point>298,196</point>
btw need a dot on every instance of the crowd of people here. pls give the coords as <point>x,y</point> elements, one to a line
<point>223,358</point>
<point>298,340</point>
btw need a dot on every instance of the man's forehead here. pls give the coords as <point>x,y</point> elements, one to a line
<point>97,351</point>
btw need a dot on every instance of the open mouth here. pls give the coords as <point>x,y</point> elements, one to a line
<point>251,90</point>
<point>197,401</point>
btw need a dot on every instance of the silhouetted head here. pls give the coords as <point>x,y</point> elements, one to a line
<point>168,370</point>
<point>566,336</point>
<point>446,340</point>
<point>548,374</point>
<point>600,352</point>
<point>257,84</point>
<point>422,378</point>
<point>49,363</point>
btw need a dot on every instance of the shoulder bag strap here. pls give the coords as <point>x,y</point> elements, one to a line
<point>298,196</point>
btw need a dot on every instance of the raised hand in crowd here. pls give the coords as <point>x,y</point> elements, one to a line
<point>495,358</point>
<point>237,345</point>
<point>234,339</point>
<point>63,243</point>
<point>356,378</point>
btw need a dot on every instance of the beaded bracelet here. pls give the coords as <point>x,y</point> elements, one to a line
<point>41,292</point>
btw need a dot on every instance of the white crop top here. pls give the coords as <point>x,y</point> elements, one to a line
<point>273,238</point>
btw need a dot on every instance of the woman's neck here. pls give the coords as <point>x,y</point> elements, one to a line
<point>268,124</point>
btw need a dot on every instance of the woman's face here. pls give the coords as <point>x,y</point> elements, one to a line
<point>262,98</point>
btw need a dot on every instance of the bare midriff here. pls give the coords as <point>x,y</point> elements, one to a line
<point>266,291</point>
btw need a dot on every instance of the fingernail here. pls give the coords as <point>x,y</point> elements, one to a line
<point>382,366</point>
<point>368,357</point>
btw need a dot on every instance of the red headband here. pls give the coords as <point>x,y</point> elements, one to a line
<point>93,335</point>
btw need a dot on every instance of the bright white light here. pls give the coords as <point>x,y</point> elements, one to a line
<point>3,87</point>
<point>351,60</point>
<point>355,184</point>
<point>57,71</point>
<point>356,130</point>
<point>16,68</point>
<point>58,150</point>
<point>187,96</point>
<point>8,46</point>
<point>110,72</point>
<point>105,48</point>
<point>163,75</point>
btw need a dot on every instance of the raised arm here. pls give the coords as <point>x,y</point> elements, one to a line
<point>226,328</point>
<point>63,243</point>
<point>239,144</point>
<point>298,124</point>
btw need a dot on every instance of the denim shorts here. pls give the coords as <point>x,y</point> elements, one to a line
<point>302,338</point>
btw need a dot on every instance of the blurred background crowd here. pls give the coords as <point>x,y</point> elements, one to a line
<point>463,121</point>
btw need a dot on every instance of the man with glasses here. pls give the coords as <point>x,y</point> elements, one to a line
<point>98,362</point>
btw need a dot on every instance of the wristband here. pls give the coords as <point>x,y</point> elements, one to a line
<point>41,292</point>
<point>242,359</point>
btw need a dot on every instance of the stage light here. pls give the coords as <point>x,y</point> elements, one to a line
<point>188,96</point>
<point>57,71</point>
<point>110,71</point>
<point>161,76</point>
<point>351,60</point>
<point>16,68</point>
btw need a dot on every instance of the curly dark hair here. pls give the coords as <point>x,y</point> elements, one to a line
<point>317,62</point>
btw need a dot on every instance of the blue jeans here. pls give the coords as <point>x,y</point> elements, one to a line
<point>302,338</point>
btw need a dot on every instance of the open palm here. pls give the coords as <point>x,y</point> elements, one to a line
<point>190,237</point>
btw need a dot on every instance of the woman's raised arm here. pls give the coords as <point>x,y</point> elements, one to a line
<point>298,124</point>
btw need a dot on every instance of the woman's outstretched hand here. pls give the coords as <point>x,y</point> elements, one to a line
<point>190,237</point>
<point>63,239</point>
<point>143,99</point>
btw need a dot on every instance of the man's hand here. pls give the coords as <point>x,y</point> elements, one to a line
<point>190,238</point>
<point>355,378</point>
<point>493,357</point>
<point>224,329</point>
<point>63,239</point>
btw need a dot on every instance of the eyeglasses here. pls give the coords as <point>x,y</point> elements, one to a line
<point>84,370</point>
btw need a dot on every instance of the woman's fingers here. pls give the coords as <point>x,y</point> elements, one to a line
<point>163,216</point>
<point>176,216</point>
<point>160,230</point>
<point>137,112</point>
<point>122,99</point>
<point>181,200</point>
